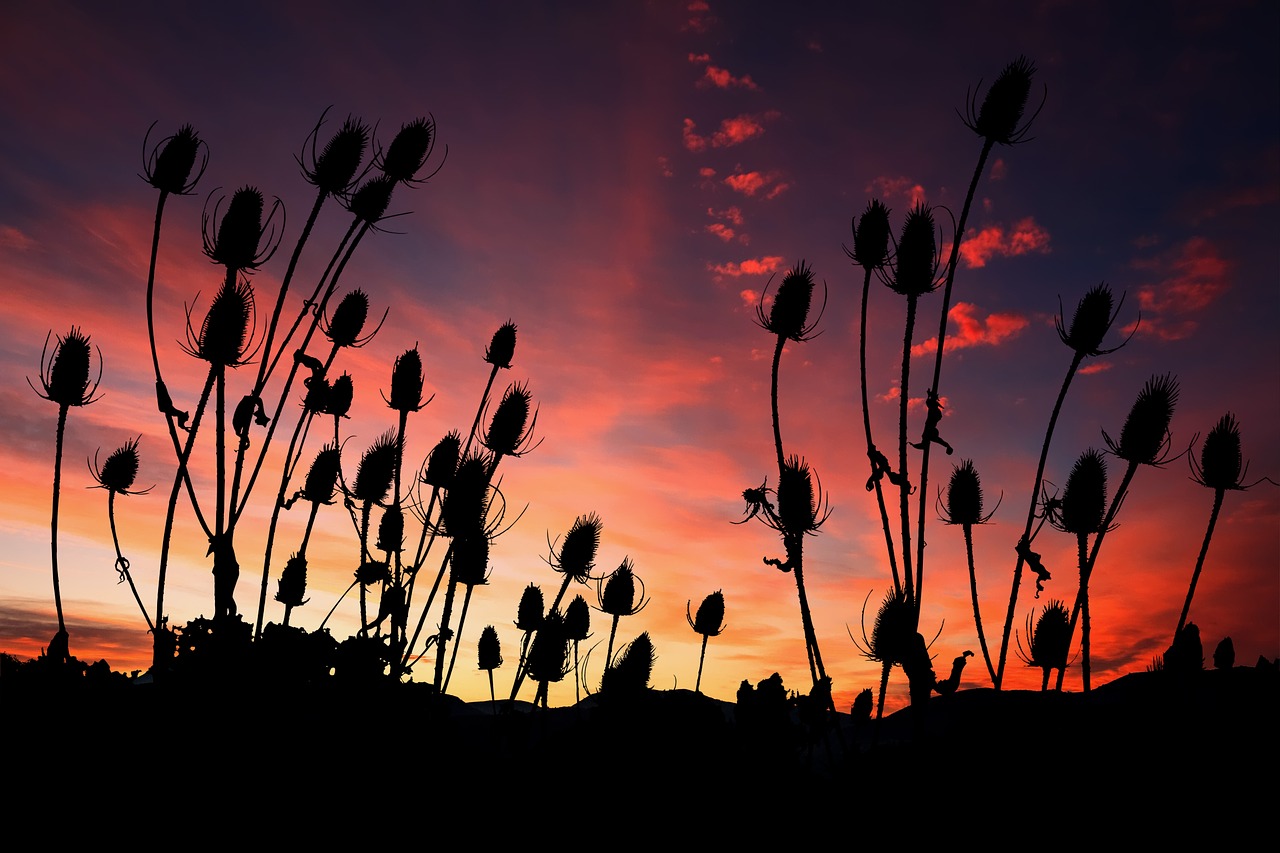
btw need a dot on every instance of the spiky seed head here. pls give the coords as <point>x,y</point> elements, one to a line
<point>369,203</point>
<point>466,503</point>
<point>577,555</point>
<point>509,422</point>
<point>409,150</point>
<point>168,169</point>
<point>488,649</point>
<point>316,400</point>
<point>341,393</point>
<point>800,505</point>
<point>377,469</point>
<point>1001,113</point>
<point>632,668</point>
<point>1221,461</point>
<point>619,595</point>
<point>336,166</point>
<point>292,587</point>
<point>373,572</point>
<point>529,612</point>
<point>964,495</point>
<point>1051,640</point>
<point>442,462</point>
<point>120,469</point>
<point>1094,314</point>
<point>894,628</point>
<point>577,619</point>
<point>917,257</point>
<point>1084,499</point>
<point>406,382</point>
<point>502,347</point>
<point>469,558</point>
<point>709,621</point>
<point>1224,654</point>
<point>64,376</point>
<point>348,319</point>
<point>549,652</point>
<point>871,237</point>
<point>391,530</point>
<point>236,246</point>
<point>322,476</point>
<point>225,334</point>
<point>789,315</point>
<point>1146,428</point>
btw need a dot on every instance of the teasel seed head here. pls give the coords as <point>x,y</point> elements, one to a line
<point>964,496</point>
<point>442,461</point>
<point>391,530</point>
<point>1222,465</point>
<point>999,119</point>
<point>344,327</point>
<point>802,507</point>
<point>373,572</point>
<point>406,383</point>
<point>465,506</point>
<point>322,477</point>
<point>334,169</point>
<point>548,658</point>
<point>341,393</point>
<point>871,237</point>
<point>631,670</point>
<point>893,630</point>
<point>915,268</point>
<point>529,611</point>
<point>1084,499</point>
<point>577,619</point>
<point>225,338</point>
<point>502,347</point>
<point>293,582</point>
<point>1090,323</point>
<point>169,164</point>
<point>1145,434</point>
<point>489,650</point>
<point>316,400</point>
<point>788,317</point>
<point>577,555</point>
<point>709,621</point>
<point>470,560</point>
<point>617,594</point>
<point>409,150</point>
<point>1050,642</point>
<point>369,203</point>
<point>120,469</point>
<point>238,245</point>
<point>377,469</point>
<point>65,373</point>
<point>510,431</point>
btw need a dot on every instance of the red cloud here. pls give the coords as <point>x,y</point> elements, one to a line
<point>749,297</point>
<point>892,188</point>
<point>972,331</point>
<point>700,17</point>
<point>707,172</point>
<point>722,79</point>
<point>1189,280</point>
<point>732,214</point>
<point>751,266</point>
<point>12,238</point>
<point>724,232</point>
<point>750,183</point>
<point>1024,237</point>
<point>732,131</point>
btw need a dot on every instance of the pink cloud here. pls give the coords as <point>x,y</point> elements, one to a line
<point>732,131</point>
<point>777,190</point>
<point>897,188</point>
<point>707,172</point>
<point>1188,280</point>
<point>1094,366</point>
<point>750,183</point>
<point>751,266</point>
<point>998,170</point>
<point>731,214</point>
<point>724,232</point>
<point>969,330</point>
<point>722,79</point>
<point>697,58</point>
<point>12,238</point>
<point>749,297</point>
<point>1024,237</point>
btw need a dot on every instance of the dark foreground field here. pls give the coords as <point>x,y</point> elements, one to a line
<point>1147,753</point>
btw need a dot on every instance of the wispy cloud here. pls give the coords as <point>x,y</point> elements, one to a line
<point>896,189</point>
<point>1187,280</point>
<point>751,266</point>
<point>752,183</point>
<point>1022,238</point>
<point>12,238</point>
<point>732,131</point>
<point>699,19</point>
<point>720,78</point>
<point>724,232</point>
<point>970,330</point>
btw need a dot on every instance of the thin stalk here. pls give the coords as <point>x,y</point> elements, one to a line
<point>973,590</point>
<point>121,563</point>
<point>53,524</point>
<point>697,686</point>
<point>1204,550</point>
<point>866,423</point>
<point>1082,548</point>
<point>904,490</point>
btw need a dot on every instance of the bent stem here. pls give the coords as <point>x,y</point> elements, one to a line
<point>57,486</point>
<point>1204,550</point>
<point>866,423</point>
<point>122,564</point>
<point>973,590</point>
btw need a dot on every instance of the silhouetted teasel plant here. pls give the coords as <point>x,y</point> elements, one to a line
<point>1222,468</point>
<point>548,660</point>
<point>617,596</point>
<point>628,674</point>
<point>117,474</point>
<point>709,623</point>
<point>577,627</point>
<point>1047,642</point>
<point>1081,511</point>
<point>66,379</point>
<point>1091,322</point>
<point>892,630</point>
<point>964,505</point>
<point>1144,440</point>
<point>489,655</point>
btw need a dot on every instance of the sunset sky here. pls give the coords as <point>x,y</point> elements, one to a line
<point>623,181</point>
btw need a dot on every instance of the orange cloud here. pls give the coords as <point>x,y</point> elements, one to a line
<point>1094,366</point>
<point>897,188</point>
<point>732,131</point>
<point>751,266</point>
<point>1024,237</point>
<point>1188,280</point>
<point>972,331</point>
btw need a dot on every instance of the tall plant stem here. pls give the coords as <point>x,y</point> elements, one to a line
<point>457,640</point>
<point>937,361</point>
<point>522,671</point>
<point>1081,596</point>
<point>1031,514</point>
<point>904,490</point>
<point>53,524</point>
<point>973,591</point>
<point>431,596</point>
<point>445,615</point>
<point>697,686</point>
<point>1204,550</point>
<point>1082,549</point>
<point>866,424</point>
<point>121,563</point>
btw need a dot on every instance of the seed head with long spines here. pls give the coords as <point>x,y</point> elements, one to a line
<point>1221,464</point>
<point>1090,323</point>
<point>226,334</point>
<point>169,164</point>
<point>1084,499</point>
<point>1145,436</point>
<point>915,268</point>
<point>577,555</point>
<point>243,241</point>
<point>529,612</point>
<point>334,169</point>
<point>66,373</point>
<point>120,469</point>
<point>788,317</point>
<point>999,119</point>
<point>964,496</point>
<point>871,235</point>
<point>709,621</point>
